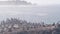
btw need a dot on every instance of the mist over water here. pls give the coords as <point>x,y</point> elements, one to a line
<point>37,14</point>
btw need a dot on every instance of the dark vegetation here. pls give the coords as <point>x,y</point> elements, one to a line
<point>17,26</point>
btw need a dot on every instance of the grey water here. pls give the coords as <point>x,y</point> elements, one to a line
<point>37,14</point>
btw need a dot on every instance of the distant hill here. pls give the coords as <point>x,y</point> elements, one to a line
<point>14,3</point>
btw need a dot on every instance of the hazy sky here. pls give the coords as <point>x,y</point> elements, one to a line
<point>43,2</point>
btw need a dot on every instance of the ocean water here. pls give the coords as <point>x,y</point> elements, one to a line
<point>37,14</point>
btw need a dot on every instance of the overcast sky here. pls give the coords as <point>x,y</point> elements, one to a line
<point>43,2</point>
